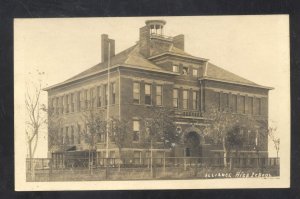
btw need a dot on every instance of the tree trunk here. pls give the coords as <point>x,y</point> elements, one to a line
<point>32,171</point>
<point>225,153</point>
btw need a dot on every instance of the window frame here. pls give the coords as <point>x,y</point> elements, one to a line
<point>159,95</point>
<point>113,93</point>
<point>175,68</point>
<point>195,75</point>
<point>137,101</point>
<point>195,101</point>
<point>148,95</point>
<point>183,69</point>
<point>177,98</point>
<point>99,96</point>
<point>185,101</point>
<point>136,131</point>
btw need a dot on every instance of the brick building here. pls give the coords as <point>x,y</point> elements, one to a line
<point>155,72</point>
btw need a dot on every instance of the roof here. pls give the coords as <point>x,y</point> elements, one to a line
<point>216,73</point>
<point>131,58</point>
<point>177,52</point>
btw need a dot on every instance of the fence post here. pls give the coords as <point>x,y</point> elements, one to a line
<point>164,163</point>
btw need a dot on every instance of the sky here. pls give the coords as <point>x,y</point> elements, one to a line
<point>253,47</point>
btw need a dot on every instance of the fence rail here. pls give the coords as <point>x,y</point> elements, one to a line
<point>75,169</point>
<point>48,163</point>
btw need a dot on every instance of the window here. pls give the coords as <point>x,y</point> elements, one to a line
<point>61,135</point>
<point>67,103</point>
<point>224,100</point>
<point>57,105</point>
<point>78,134</point>
<point>105,95</point>
<point>72,102</point>
<point>113,95</point>
<point>112,156</point>
<point>243,107</point>
<point>62,104</point>
<point>148,97</point>
<point>136,131</point>
<point>137,155</point>
<point>67,136</point>
<point>195,72</point>
<point>99,96</point>
<point>250,105</point>
<point>195,99</point>
<point>257,106</point>
<point>234,103</point>
<point>81,100</point>
<point>185,99</point>
<point>72,135</point>
<point>175,98</point>
<point>86,98</point>
<point>92,97</point>
<point>158,95</point>
<point>78,101</point>
<point>136,92</point>
<point>185,70</point>
<point>175,69</point>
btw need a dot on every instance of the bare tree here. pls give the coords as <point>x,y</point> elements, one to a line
<point>159,126</point>
<point>95,125</point>
<point>118,133</point>
<point>220,123</point>
<point>35,116</point>
<point>273,134</point>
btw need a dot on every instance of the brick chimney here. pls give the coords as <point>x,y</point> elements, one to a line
<point>105,41</point>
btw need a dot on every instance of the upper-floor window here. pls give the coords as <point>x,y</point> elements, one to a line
<point>175,68</point>
<point>136,130</point>
<point>250,105</point>
<point>113,93</point>
<point>72,102</point>
<point>257,106</point>
<point>242,104</point>
<point>148,97</point>
<point>195,100</point>
<point>86,98</point>
<point>195,72</point>
<point>185,101</point>
<point>185,70</point>
<point>158,95</point>
<point>105,95</point>
<point>136,92</point>
<point>92,97</point>
<point>234,103</point>
<point>175,98</point>
<point>99,96</point>
<point>57,105</point>
<point>67,104</point>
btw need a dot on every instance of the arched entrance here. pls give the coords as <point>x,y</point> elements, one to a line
<point>192,143</point>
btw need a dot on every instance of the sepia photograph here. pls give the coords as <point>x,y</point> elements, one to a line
<point>124,103</point>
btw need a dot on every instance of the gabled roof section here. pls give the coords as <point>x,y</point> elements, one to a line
<point>130,56</point>
<point>177,52</point>
<point>216,73</point>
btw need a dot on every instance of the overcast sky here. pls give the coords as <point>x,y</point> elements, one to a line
<point>254,47</point>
